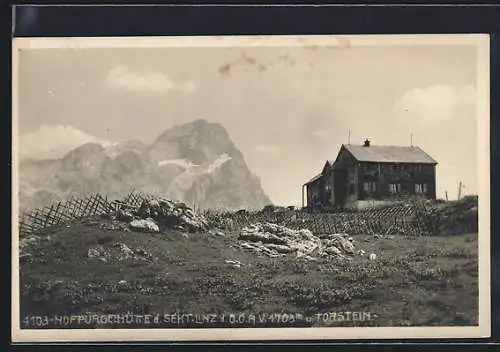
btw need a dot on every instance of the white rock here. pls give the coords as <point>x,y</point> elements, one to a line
<point>126,252</point>
<point>153,203</point>
<point>372,256</point>
<point>147,225</point>
<point>234,263</point>
<point>333,250</point>
<point>94,252</point>
<point>306,234</point>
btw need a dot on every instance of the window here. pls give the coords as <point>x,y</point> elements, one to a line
<point>369,187</point>
<point>394,187</point>
<point>421,188</point>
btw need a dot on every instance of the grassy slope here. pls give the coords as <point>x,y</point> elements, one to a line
<point>413,281</point>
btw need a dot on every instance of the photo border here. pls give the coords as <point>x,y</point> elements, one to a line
<point>481,41</point>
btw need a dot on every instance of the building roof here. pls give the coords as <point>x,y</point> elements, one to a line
<point>389,154</point>
<point>315,178</point>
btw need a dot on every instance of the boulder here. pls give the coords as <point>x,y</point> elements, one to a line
<point>273,240</point>
<point>123,215</point>
<point>144,225</point>
<point>333,250</point>
<point>173,215</point>
<point>280,248</point>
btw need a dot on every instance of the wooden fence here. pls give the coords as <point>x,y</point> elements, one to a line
<point>62,212</point>
<point>74,208</point>
<point>391,220</point>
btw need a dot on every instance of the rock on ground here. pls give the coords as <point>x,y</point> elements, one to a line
<point>171,214</point>
<point>144,225</point>
<point>119,252</point>
<point>276,240</point>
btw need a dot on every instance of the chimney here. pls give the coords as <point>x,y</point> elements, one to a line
<point>366,143</point>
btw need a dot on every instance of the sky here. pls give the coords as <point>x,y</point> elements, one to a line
<point>287,109</point>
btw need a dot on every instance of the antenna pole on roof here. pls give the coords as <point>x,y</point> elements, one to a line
<point>411,139</point>
<point>349,137</point>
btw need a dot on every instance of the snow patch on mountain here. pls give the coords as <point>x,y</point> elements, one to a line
<point>221,159</point>
<point>186,179</point>
<point>195,169</point>
<point>186,164</point>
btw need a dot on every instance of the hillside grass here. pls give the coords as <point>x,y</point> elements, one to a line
<point>414,281</point>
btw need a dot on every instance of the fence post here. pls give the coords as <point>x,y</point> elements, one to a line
<point>58,214</point>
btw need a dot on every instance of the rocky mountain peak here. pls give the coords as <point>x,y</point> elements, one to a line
<point>195,162</point>
<point>199,141</point>
<point>85,155</point>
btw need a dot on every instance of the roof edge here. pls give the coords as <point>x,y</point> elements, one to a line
<point>400,162</point>
<point>431,161</point>
<point>312,180</point>
<point>430,157</point>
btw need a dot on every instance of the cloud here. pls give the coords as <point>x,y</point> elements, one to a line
<point>320,133</point>
<point>271,150</point>
<point>123,77</point>
<point>54,141</point>
<point>434,103</point>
